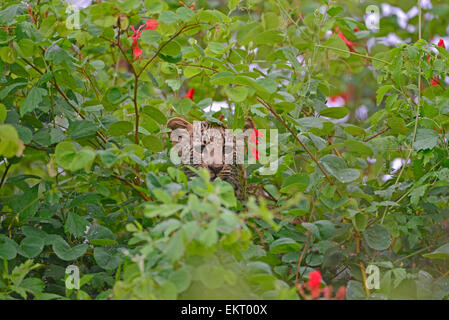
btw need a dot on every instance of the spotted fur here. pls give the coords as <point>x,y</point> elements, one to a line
<point>233,173</point>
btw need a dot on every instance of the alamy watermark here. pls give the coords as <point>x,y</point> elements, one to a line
<point>372,18</point>
<point>373,277</point>
<point>73,277</point>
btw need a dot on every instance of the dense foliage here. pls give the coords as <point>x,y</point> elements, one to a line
<point>86,179</point>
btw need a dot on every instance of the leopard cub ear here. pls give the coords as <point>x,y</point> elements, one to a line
<point>249,123</point>
<point>179,123</point>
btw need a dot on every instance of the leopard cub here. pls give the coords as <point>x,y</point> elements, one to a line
<point>210,149</point>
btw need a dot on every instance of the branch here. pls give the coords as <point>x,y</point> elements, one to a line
<point>55,84</point>
<point>297,139</point>
<point>353,53</point>
<point>309,235</point>
<point>180,31</point>
<point>143,195</point>
<point>377,134</point>
<point>5,173</point>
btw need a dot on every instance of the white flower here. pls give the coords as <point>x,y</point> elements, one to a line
<point>79,3</point>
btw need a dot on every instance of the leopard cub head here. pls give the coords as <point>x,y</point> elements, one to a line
<point>209,145</point>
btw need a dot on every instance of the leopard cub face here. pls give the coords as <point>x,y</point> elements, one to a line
<point>210,146</point>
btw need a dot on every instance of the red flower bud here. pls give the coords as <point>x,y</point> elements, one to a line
<point>341,293</point>
<point>151,24</point>
<point>190,94</point>
<point>441,44</point>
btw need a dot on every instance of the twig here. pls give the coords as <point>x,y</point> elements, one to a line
<point>143,195</point>
<point>297,139</point>
<point>353,53</point>
<point>309,235</point>
<point>180,31</point>
<point>377,134</point>
<point>5,173</point>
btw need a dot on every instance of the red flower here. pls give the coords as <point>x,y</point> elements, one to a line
<point>255,135</point>
<point>435,82</point>
<point>151,24</point>
<point>341,293</point>
<point>314,280</point>
<point>190,94</point>
<point>349,44</point>
<point>137,51</point>
<point>356,29</point>
<point>441,44</point>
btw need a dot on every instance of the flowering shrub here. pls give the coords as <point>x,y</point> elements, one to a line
<point>86,179</point>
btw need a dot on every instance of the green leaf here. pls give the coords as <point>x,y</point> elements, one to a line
<point>172,49</point>
<point>337,167</point>
<point>425,139</point>
<point>359,147</point>
<point>175,247</point>
<point>67,253</point>
<point>377,237</point>
<point>284,245</point>
<point>153,143</point>
<point>82,128</point>
<point>8,54</point>
<point>7,250</point>
<point>150,37</point>
<point>32,100</point>
<point>185,14</point>
<point>69,158</point>
<point>168,17</point>
<point>335,112</point>
<point>114,95</point>
<point>192,71</point>
<point>381,93</point>
<point>164,210</point>
<point>295,183</point>
<point>9,141</point>
<point>268,37</point>
<point>155,114</point>
<point>75,224</point>
<point>440,253</point>
<point>181,279</point>
<point>107,258</point>
<point>29,203</point>
<point>360,221</point>
<point>334,11</point>
<point>355,291</point>
<point>236,94</point>
<point>27,48</point>
<point>31,246</point>
<point>336,47</point>
<point>120,128</point>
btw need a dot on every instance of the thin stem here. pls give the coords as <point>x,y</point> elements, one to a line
<point>143,195</point>
<point>309,235</point>
<point>4,174</point>
<point>377,134</point>
<point>353,53</point>
<point>417,111</point>
<point>180,31</point>
<point>297,139</point>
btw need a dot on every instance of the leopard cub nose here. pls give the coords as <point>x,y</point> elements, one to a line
<point>215,168</point>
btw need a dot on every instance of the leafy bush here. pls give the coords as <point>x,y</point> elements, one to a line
<point>86,178</point>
